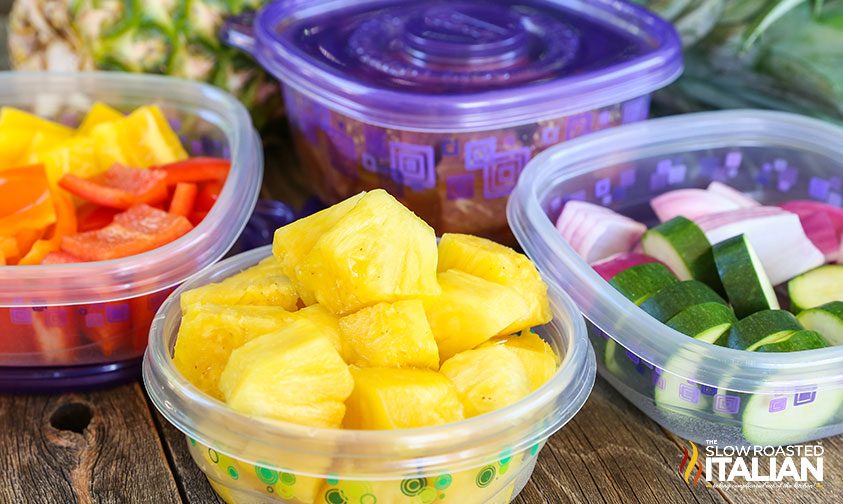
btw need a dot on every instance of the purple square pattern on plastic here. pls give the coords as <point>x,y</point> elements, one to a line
<point>689,393</point>
<point>501,175</point>
<point>578,125</point>
<point>727,403</point>
<point>479,153</point>
<point>413,165</point>
<point>94,320</point>
<point>777,404</point>
<point>708,390</point>
<point>806,397</point>
<point>550,135</point>
<point>116,313</point>
<point>20,316</point>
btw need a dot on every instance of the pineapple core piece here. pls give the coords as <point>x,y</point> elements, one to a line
<point>387,398</point>
<point>293,242</point>
<point>294,374</point>
<point>390,335</point>
<point>470,311</point>
<point>538,358</point>
<point>208,333</point>
<point>502,265</point>
<point>487,378</point>
<point>378,252</point>
<point>261,285</point>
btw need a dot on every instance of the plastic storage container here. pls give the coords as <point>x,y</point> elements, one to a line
<point>78,325</point>
<point>484,459</point>
<point>444,103</point>
<point>699,391</point>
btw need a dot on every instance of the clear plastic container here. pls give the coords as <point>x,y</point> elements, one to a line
<point>484,459</point>
<point>78,325</point>
<point>699,391</point>
<point>444,103</point>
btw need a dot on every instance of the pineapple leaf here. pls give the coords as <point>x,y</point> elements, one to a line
<point>774,12</point>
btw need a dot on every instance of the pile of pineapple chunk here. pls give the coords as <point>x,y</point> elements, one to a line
<point>360,320</point>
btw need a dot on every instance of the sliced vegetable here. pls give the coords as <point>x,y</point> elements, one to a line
<point>9,248</point>
<point>61,258</point>
<point>820,230</point>
<point>139,229</point>
<point>198,169</point>
<point>736,196</point>
<point>208,195</point>
<point>119,187</point>
<point>742,275</point>
<point>806,208</point>
<point>796,341</point>
<point>817,287</point>
<point>766,423</point>
<point>671,300</point>
<point>761,328</point>
<point>690,203</point>
<point>26,202</point>
<point>776,235</point>
<point>184,198</point>
<point>709,322</point>
<point>91,217</point>
<point>641,282</point>
<point>611,266</point>
<point>825,319</point>
<point>595,232</point>
<point>684,248</point>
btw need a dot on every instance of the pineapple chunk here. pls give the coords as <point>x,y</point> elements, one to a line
<point>470,311</point>
<point>148,138</point>
<point>378,252</point>
<point>294,374</point>
<point>390,335</point>
<point>538,358</point>
<point>14,119</point>
<point>487,378</point>
<point>327,323</point>
<point>387,398</point>
<point>293,242</point>
<point>261,285</point>
<point>502,265</point>
<point>109,149</point>
<point>14,147</point>
<point>208,334</point>
<point>99,113</point>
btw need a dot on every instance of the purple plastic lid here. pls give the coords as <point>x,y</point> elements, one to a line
<point>434,65</point>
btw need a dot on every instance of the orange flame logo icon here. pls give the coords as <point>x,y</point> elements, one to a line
<point>689,461</point>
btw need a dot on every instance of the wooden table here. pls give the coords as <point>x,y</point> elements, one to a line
<point>111,446</point>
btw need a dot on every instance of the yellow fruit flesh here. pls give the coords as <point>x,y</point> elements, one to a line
<point>14,147</point>
<point>294,374</point>
<point>109,149</point>
<point>99,113</point>
<point>387,398</point>
<point>148,139</point>
<point>294,241</point>
<point>14,119</point>
<point>487,378</point>
<point>538,358</point>
<point>260,285</point>
<point>209,333</point>
<point>378,252</point>
<point>76,155</point>
<point>470,311</point>
<point>502,265</point>
<point>390,335</point>
<point>328,324</point>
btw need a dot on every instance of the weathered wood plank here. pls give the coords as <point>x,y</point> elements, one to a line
<point>611,452</point>
<point>82,448</point>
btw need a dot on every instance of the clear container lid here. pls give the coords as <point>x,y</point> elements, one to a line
<point>465,65</point>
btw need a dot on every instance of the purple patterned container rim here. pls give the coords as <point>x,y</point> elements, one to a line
<point>432,65</point>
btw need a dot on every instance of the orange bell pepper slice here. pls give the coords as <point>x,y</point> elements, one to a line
<point>198,169</point>
<point>65,226</point>
<point>184,197</point>
<point>120,187</point>
<point>26,203</point>
<point>137,230</point>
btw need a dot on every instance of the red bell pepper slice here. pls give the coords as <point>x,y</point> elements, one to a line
<point>184,198</point>
<point>196,169</point>
<point>208,195</point>
<point>91,217</point>
<point>60,257</point>
<point>119,187</point>
<point>137,230</point>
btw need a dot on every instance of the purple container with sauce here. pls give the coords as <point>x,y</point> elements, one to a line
<point>444,103</point>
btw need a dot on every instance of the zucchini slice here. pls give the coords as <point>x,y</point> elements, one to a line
<point>640,282</point>
<point>762,328</point>
<point>683,247</point>
<point>816,287</point>
<point>826,319</point>
<point>709,322</point>
<point>789,418</point>
<point>668,302</point>
<point>743,277</point>
<point>796,341</point>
